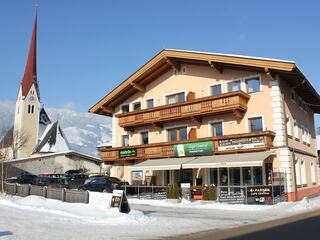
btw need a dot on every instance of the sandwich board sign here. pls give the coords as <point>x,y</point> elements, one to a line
<point>119,200</point>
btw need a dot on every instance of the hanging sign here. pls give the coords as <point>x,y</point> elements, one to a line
<point>193,149</point>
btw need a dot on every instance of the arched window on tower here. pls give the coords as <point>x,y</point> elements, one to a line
<point>32,109</point>
<point>29,108</point>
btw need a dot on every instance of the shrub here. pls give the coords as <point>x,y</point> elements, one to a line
<point>209,193</point>
<point>173,192</point>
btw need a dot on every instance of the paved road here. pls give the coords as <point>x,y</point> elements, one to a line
<point>302,226</point>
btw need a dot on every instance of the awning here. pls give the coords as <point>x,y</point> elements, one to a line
<point>228,160</point>
<point>161,164</point>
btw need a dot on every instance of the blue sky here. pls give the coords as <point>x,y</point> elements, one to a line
<point>86,48</point>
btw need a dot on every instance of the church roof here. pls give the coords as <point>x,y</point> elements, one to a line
<point>30,72</point>
<point>52,140</point>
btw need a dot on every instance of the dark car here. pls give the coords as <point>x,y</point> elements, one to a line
<point>23,178</point>
<point>99,184</point>
<point>76,180</point>
<point>52,182</point>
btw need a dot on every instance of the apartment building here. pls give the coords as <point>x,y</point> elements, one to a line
<point>208,118</point>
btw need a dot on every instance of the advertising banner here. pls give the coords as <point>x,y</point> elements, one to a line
<point>128,153</point>
<point>240,143</point>
<point>193,149</point>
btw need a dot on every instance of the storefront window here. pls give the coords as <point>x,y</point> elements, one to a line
<point>214,176</point>
<point>257,176</point>
<point>246,175</point>
<point>223,176</point>
<point>234,174</point>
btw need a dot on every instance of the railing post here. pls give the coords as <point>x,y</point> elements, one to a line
<point>87,197</point>
<point>125,188</point>
<point>246,194</point>
<point>63,195</point>
<point>138,191</point>
<point>152,191</point>
<point>272,193</point>
<point>45,191</point>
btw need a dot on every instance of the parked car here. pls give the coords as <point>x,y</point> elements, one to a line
<point>23,178</point>
<point>76,180</point>
<point>52,182</point>
<point>100,184</point>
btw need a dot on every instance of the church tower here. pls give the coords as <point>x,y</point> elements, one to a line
<point>26,121</point>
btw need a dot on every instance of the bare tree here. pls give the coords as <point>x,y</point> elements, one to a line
<point>18,141</point>
<point>4,154</point>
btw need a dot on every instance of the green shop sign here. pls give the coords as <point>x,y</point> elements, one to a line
<point>193,149</point>
<point>128,153</point>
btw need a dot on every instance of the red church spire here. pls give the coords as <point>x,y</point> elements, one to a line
<point>30,72</point>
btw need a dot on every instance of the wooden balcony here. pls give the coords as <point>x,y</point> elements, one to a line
<point>247,142</point>
<point>195,109</point>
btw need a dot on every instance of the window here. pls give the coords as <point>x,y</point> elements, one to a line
<point>149,103</point>
<point>144,137</point>
<point>303,134</point>
<point>125,140</point>
<point>308,136</point>
<point>223,176</point>
<point>246,175</point>
<point>313,172</point>
<point>137,106</point>
<point>255,124</point>
<point>257,175</point>
<point>303,173</point>
<point>234,174</point>
<point>184,70</point>
<point>216,89</point>
<point>253,85</point>
<point>29,108</point>
<point>175,98</point>
<point>289,127</point>
<point>214,176</point>
<point>217,129</point>
<point>234,86</point>
<point>125,108</point>
<point>296,130</point>
<point>32,109</point>
<point>297,170</point>
<point>177,134</point>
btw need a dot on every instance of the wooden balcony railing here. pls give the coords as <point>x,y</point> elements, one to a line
<point>233,102</point>
<point>247,142</point>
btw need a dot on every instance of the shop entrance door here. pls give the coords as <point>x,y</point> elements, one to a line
<point>186,176</point>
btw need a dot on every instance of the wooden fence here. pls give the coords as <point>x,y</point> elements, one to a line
<point>62,194</point>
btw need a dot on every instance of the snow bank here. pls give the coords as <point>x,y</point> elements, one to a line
<point>97,211</point>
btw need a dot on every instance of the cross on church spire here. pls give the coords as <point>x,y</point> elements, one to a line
<point>30,72</point>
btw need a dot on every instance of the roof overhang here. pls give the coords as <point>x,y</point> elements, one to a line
<point>172,59</point>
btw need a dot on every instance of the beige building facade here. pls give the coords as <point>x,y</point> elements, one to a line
<point>217,119</point>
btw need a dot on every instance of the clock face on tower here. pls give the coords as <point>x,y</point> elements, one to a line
<point>31,98</point>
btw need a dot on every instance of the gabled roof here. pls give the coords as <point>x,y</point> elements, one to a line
<point>30,72</point>
<point>52,140</point>
<point>171,58</point>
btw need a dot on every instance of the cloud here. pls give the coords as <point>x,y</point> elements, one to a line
<point>69,106</point>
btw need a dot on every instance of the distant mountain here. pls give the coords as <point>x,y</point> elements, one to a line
<point>84,131</point>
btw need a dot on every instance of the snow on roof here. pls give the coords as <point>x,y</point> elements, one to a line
<point>232,55</point>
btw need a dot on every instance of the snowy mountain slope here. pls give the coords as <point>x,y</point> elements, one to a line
<point>84,131</point>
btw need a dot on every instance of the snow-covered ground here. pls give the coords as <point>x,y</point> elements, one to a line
<point>39,218</point>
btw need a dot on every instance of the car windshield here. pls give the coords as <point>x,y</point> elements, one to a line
<point>114,179</point>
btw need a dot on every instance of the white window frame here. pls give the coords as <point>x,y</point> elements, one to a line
<point>184,69</point>
<point>298,173</point>
<point>289,126</point>
<point>234,80</point>
<point>124,134</point>
<point>303,173</point>
<point>210,133</point>
<point>140,136</point>
<point>215,84</point>
<point>123,105</point>
<point>296,129</point>
<point>255,116</point>
<point>172,93</point>
<point>145,102</point>
<point>313,172</point>
<point>132,105</point>
<point>251,77</point>
<point>174,126</point>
